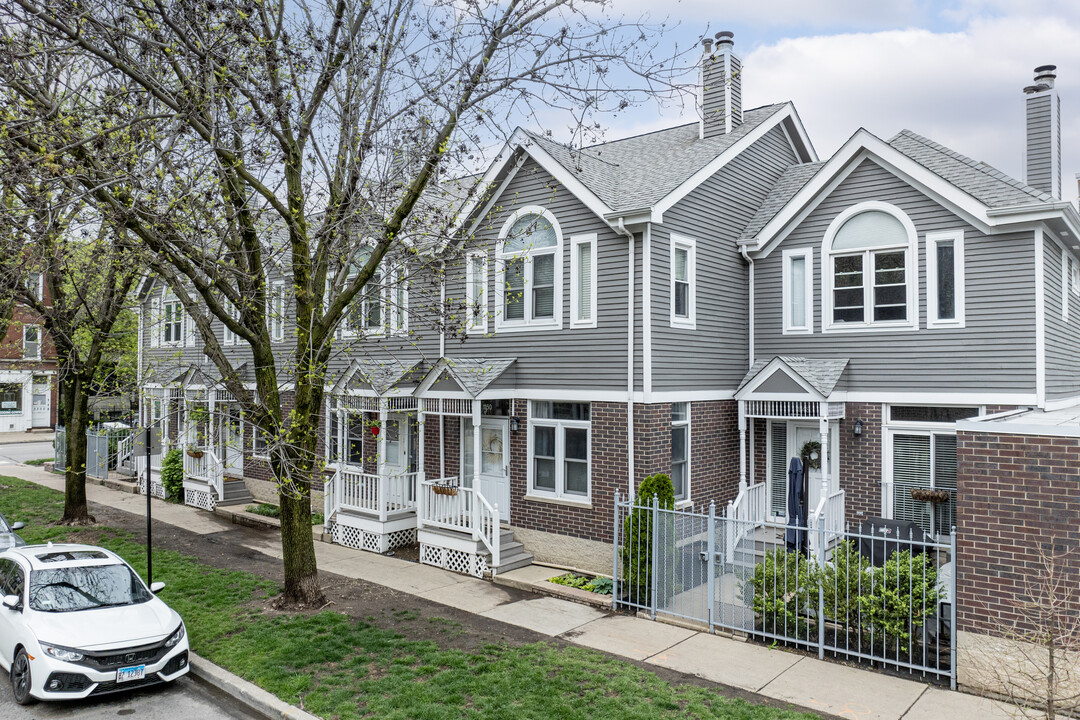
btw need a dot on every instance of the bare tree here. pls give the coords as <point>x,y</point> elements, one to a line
<point>309,137</point>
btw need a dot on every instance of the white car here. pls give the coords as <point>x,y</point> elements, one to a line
<point>76,620</point>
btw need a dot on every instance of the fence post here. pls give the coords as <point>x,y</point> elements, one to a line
<point>655,563</point>
<point>952,608</point>
<point>615,553</point>
<point>821,589</point>
<point>710,545</point>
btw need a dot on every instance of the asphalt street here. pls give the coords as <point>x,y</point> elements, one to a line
<point>185,699</point>
<point>21,452</point>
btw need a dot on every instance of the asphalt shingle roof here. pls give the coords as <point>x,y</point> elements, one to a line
<point>789,183</point>
<point>821,373</point>
<point>475,374</point>
<point>639,171</point>
<point>986,184</point>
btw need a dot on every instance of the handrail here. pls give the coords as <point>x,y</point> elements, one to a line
<point>375,494</point>
<point>330,497</point>
<point>466,511</point>
<point>124,450</point>
<point>216,474</point>
<point>747,511</point>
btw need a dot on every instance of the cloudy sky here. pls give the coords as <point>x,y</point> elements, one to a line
<point>953,71</point>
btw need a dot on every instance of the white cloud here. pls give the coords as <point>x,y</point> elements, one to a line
<point>854,14</point>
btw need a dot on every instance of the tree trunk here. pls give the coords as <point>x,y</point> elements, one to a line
<point>74,413</point>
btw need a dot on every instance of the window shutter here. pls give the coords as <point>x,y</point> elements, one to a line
<point>778,461</point>
<point>911,469</point>
<point>585,282</point>
<point>153,323</point>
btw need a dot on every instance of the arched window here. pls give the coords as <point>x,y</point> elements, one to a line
<point>868,271</point>
<point>529,260</point>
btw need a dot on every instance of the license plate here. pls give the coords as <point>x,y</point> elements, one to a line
<point>136,672</point>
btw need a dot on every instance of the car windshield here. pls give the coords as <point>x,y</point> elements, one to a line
<point>84,588</point>
<point>3,525</point>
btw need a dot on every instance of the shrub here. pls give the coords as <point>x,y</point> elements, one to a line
<point>599,585</point>
<point>898,597</point>
<point>638,535</point>
<point>172,474</point>
<point>785,588</point>
<point>843,581</point>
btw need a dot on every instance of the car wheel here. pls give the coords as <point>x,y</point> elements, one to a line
<point>20,678</point>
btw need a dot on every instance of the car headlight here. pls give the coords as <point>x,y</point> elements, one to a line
<point>62,653</point>
<point>176,636</point>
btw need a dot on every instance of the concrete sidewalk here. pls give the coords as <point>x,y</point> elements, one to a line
<point>12,438</point>
<point>805,681</point>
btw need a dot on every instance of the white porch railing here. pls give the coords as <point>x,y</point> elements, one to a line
<point>466,511</point>
<point>329,498</point>
<point>748,510</point>
<point>124,448</point>
<point>380,495</point>
<point>834,514</point>
<point>206,468</point>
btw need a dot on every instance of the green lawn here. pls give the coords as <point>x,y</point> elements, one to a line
<point>39,462</point>
<point>339,667</point>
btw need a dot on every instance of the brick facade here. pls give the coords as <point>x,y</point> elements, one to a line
<point>1015,493</point>
<point>860,461</point>
<point>15,370</point>
<point>714,452</point>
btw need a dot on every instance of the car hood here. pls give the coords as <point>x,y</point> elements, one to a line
<point>107,628</point>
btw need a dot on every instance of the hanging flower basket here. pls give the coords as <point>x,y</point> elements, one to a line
<point>444,489</point>
<point>928,495</point>
<point>195,453</point>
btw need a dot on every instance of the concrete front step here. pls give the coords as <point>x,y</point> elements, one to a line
<point>514,562</point>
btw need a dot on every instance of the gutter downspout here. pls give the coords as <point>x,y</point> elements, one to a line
<point>621,229</point>
<point>750,306</point>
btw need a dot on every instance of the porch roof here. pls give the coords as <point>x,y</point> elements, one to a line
<point>472,375</point>
<point>380,375</point>
<point>209,375</point>
<point>821,374</point>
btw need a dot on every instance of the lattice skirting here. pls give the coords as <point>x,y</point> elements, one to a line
<point>156,488</point>
<point>454,560</point>
<point>199,499</point>
<point>372,542</point>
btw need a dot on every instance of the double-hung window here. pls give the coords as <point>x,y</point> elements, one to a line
<point>172,321</point>
<point>680,449</point>
<point>31,342</point>
<point>529,261</point>
<point>228,337</point>
<point>559,450</point>
<point>869,270</point>
<point>583,281</point>
<point>276,311</point>
<point>945,279</point>
<point>798,291</point>
<point>476,270</point>
<point>683,273</point>
<point>397,300</point>
<point>35,282</point>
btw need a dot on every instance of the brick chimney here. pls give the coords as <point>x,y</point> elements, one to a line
<point>721,86</point>
<point>1042,164</point>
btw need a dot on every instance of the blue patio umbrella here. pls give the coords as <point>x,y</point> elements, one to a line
<point>795,535</point>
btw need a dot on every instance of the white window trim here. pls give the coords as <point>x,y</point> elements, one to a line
<point>40,335</point>
<point>560,457</point>
<point>932,240</point>
<point>265,455</point>
<point>168,299</point>
<point>1074,275</point>
<point>689,453</point>
<point>808,255</point>
<point>391,308</point>
<point>911,278</point>
<point>1066,265</point>
<point>228,337</point>
<point>575,272</point>
<point>690,245</point>
<point>39,290</point>
<point>503,325</point>
<point>277,325</point>
<point>154,322</point>
<point>477,311</point>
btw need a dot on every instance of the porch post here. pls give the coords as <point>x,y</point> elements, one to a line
<point>476,445</point>
<point>742,446</point>
<point>824,428</point>
<point>420,417</point>
<point>381,465</point>
<point>211,401</point>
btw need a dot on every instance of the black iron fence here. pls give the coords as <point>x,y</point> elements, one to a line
<point>881,594</point>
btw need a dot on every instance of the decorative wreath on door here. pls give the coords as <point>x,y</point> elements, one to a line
<point>811,453</point>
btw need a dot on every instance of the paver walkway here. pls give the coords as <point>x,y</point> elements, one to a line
<point>825,686</point>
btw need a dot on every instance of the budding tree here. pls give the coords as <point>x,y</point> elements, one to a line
<point>309,137</point>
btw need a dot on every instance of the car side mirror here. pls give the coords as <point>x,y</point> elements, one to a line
<point>11,602</point>
<point>157,587</point>
<point>18,526</point>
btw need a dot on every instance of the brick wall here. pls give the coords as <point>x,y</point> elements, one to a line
<point>714,452</point>
<point>1015,493</point>
<point>860,461</point>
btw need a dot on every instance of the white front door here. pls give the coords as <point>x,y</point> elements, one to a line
<point>231,438</point>
<point>41,413</point>
<point>494,461</point>
<point>396,461</point>
<point>803,434</point>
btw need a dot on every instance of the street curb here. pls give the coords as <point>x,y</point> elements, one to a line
<point>254,697</point>
<point>31,437</point>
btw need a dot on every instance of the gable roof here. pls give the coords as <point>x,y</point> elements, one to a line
<point>473,375</point>
<point>986,184</point>
<point>822,374</point>
<point>381,375</point>
<point>789,183</point>
<point>640,171</point>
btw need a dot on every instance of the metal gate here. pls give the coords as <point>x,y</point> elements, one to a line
<point>885,601</point>
<point>97,454</point>
<point>60,450</point>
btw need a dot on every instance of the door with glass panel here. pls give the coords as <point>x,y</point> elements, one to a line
<point>494,461</point>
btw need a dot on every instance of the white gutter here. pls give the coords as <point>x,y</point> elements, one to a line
<point>620,227</point>
<point>750,306</point>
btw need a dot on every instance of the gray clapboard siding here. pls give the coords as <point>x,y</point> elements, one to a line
<point>715,355</point>
<point>1062,336</point>
<point>994,352</point>
<point>576,359</point>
